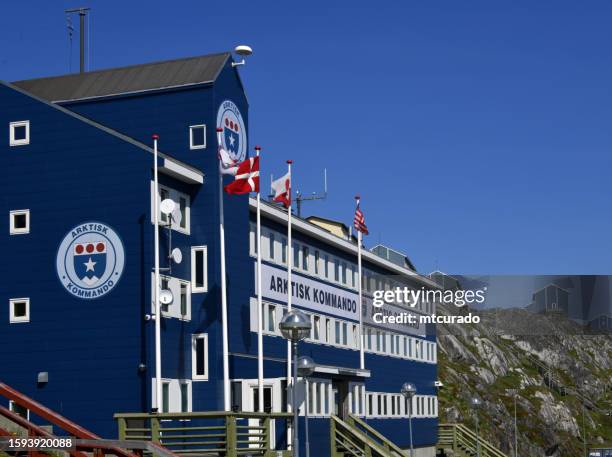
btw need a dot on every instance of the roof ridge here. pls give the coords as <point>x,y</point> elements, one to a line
<point>126,67</point>
<point>108,130</point>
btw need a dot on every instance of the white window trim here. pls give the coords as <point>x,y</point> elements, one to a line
<point>18,320</point>
<point>19,231</point>
<point>12,140</point>
<point>194,375</point>
<point>174,195</point>
<point>194,288</point>
<point>12,408</point>
<point>199,146</point>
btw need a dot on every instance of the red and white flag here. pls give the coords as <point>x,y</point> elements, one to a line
<point>246,177</point>
<point>282,190</point>
<point>359,221</point>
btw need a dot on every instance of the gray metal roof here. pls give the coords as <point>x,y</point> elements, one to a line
<point>124,80</point>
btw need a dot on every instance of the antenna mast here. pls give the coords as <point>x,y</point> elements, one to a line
<point>82,13</point>
<point>299,198</point>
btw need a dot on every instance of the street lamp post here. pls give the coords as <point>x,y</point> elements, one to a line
<point>409,391</point>
<point>306,367</point>
<point>476,404</point>
<point>295,326</point>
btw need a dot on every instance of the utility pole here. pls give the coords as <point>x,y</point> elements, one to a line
<point>82,13</point>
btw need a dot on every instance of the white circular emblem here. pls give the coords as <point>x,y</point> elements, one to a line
<point>90,260</point>
<point>233,138</point>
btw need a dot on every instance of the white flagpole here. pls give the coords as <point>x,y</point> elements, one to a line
<point>260,373</point>
<point>289,288</point>
<point>361,353</point>
<point>158,373</point>
<point>226,382</point>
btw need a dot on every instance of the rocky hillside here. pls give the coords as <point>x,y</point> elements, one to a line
<point>561,376</point>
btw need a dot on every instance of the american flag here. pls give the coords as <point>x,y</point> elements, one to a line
<point>359,221</point>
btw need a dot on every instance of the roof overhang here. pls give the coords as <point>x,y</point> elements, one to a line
<point>342,371</point>
<point>181,171</point>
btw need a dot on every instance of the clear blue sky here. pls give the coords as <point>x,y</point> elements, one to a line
<point>478,133</point>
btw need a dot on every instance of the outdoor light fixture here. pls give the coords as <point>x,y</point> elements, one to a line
<point>295,326</point>
<point>476,404</point>
<point>409,391</point>
<point>306,367</point>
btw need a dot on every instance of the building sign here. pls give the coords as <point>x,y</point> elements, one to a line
<point>234,137</point>
<point>317,296</point>
<point>90,260</point>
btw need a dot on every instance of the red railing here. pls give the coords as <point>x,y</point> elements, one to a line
<point>98,448</point>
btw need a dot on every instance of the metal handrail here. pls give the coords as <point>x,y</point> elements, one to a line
<point>351,439</point>
<point>458,436</point>
<point>224,435</point>
<point>370,431</point>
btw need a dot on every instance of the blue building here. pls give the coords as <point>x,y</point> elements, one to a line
<point>76,164</point>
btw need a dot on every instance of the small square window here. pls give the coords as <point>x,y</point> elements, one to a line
<point>19,222</point>
<point>19,310</point>
<point>19,133</point>
<point>197,137</point>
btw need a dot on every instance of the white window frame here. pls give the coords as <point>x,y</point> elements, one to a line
<point>175,196</point>
<point>196,146</point>
<point>12,140</point>
<point>194,287</point>
<point>12,405</point>
<point>194,375</point>
<point>19,319</point>
<point>19,231</point>
<point>174,286</point>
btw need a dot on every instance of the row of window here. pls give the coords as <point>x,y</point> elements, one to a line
<point>345,334</point>
<point>314,262</point>
<point>19,134</point>
<point>395,405</point>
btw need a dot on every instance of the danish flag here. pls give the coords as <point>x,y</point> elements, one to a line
<point>282,190</point>
<point>359,221</point>
<point>246,178</point>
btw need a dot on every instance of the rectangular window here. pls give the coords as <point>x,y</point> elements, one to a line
<point>344,268</point>
<point>284,250</point>
<point>19,222</point>
<point>296,255</point>
<point>197,136</point>
<point>199,269</point>
<point>317,330</point>
<point>19,133</point>
<point>305,254</point>
<point>327,330</point>
<point>180,216</point>
<point>185,397</point>
<point>271,318</point>
<point>271,248</point>
<point>199,357</point>
<point>316,262</point>
<point>369,339</point>
<point>184,288</point>
<point>19,310</point>
<point>344,333</point>
<point>326,260</point>
<point>353,276</point>
<point>337,270</point>
<point>164,285</point>
<point>356,336</point>
<point>19,410</point>
<point>392,344</point>
<point>338,334</point>
<point>165,397</point>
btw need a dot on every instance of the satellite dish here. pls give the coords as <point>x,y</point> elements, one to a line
<point>243,50</point>
<point>176,255</point>
<point>167,206</point>
<point>166,297</point>
<point>176,215</point>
